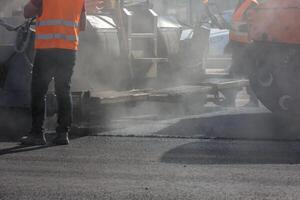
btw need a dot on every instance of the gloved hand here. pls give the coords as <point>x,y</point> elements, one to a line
<point>205,2</point>
<point>94,6</point>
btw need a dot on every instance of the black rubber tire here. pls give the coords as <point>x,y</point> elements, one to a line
<point>264,60</point>
<point>281,61</point>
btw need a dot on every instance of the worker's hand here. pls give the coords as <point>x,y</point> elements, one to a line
<point>94,6</point>
<point>205,2</point>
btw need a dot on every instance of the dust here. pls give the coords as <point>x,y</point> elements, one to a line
<point>8,6</point>
<point>102,63</point>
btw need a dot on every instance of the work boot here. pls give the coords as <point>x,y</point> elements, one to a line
<point>33,139</point>
<point>62,138</point>
<point>253,101</point>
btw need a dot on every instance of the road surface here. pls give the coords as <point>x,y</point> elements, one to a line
<point>148,160</point>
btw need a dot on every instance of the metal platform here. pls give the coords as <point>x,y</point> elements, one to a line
<point>166,94</point>
<point>93,108</point>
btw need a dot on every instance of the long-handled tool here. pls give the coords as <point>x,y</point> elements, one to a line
<point>23,37</point>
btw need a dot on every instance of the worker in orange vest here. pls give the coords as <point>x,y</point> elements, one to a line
<point>56,41</point>
<point>239,39</point>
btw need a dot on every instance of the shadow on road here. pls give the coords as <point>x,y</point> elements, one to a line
<point>26,148</point>
<point>236,138</point>
<point>22,148</point>
<point>235,152</point>
<point>254,126</point>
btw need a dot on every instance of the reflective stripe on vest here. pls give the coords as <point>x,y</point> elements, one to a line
<point>71,38</point>
<point>57,22</point>
<point>58,26</point>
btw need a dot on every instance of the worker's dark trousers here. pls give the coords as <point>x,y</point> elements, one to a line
<point>51,64</point>
<point>239,66</point>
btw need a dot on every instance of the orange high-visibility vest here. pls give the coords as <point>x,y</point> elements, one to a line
<point>240,28</point>
<point>58,26</point>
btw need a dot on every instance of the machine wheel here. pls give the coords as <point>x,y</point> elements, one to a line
<point>274,77</point>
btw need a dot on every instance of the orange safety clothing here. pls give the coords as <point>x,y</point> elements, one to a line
<point>276,21</point>
<point>240,28</point>
<point>58,26</point>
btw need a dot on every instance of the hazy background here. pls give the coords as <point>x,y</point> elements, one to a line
<point>6,6</point>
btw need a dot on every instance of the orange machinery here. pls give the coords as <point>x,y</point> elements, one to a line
<point>274,56</point>
<point>277,21</point>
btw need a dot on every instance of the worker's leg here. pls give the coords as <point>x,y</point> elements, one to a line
<point>253,101</point>
<point>234,71</point>
<point>42,74</point>
<point>62,78</point>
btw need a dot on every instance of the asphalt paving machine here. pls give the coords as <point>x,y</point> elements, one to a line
<point>125,47</point>
<point>274,57</point>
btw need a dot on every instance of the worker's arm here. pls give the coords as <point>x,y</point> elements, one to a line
<point>31,10</point>
<point>82,23</point>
